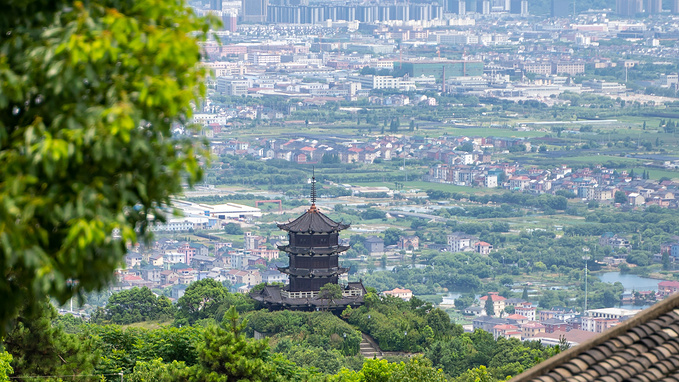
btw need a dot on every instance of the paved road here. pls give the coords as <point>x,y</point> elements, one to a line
<point>418,215</point>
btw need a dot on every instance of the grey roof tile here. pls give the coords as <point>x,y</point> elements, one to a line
<point>643,348</point>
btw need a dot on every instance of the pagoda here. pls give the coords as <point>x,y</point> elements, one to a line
<point>313,249</point>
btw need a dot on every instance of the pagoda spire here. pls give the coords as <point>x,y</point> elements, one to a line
<point>313,189</point>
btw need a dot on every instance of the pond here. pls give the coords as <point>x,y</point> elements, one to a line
<point>629,281</point>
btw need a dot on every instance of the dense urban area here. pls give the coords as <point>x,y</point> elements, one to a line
<point>504,174</point>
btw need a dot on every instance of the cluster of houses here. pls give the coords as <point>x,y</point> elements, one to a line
<point>176,264</point>
<point>550,325</point>
<point>600,183</point>
<point>619,244</point>
<point>462,242</point>
<point>474,166</point>
<point>307,151</point>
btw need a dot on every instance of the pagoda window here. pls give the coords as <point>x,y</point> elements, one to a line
<point>320,262</point>
<point>302,262</point>
<point>321,241</point>
<point>303,240</point>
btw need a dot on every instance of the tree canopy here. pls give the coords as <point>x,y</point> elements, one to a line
<point>135,305</point>
<point>90,94</point>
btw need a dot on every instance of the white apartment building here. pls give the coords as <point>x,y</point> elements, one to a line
<point>459,241</point>
<point>598,320</point>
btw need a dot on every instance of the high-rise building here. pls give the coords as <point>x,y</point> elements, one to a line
<point>313,14</point>
<point>216,5</point>
<point>458,7</point>
<point>483,7</point>
<point>675,7</point>
<point>561,9</point>
<point>229,20</point>
<point>254,11</point>
<point>629,8</point>
<point>519,7</point>
<point>653,7</point>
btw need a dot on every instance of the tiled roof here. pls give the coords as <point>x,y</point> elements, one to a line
<point>643,348</point>
<point>505,327</point>
<point>493,297</point>
<point>313,221</point>
<point>573,335</point>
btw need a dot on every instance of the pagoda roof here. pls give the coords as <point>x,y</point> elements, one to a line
<point>313,221</point>
<point>314,250</point>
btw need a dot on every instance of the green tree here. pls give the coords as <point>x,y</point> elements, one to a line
<point>5,366</point>
<point>540,266</point>
<point>135,305</point>
<point>39,348</point>
<point>394,125</point>
<point>463,302</point>
<point>89,95</point>
<point>479,374</point>
<point>330,292</point>
<point>620,197</point>
<point>225,355</point>
<point>467,146</point>
<point>391,236</point>
<point>157,371</point>
<point>489,307</point>
<point>524,295</point>
<point>201,300</point>
<point>233,229</point>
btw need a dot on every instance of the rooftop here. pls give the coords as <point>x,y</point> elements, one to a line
<point>313,221</point>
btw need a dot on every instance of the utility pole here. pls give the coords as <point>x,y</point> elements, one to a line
<point>404,167</point>
<point>585,257</point>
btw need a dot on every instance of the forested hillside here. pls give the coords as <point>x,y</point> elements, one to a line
<point>211,339</point>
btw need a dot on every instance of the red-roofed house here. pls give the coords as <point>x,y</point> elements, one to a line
<point>519,182</point>
<point>506,331</point>
<point>532,329</point>
<point>483,248</point>
<point>498,303</point>
<point>518,318</point>
<point>526,309</point>
<point>666,288</point>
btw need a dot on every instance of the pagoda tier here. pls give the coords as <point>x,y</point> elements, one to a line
<point>313,262</point>
<point>308,273</point>
<point>311,251</point>
<point>309,284</point>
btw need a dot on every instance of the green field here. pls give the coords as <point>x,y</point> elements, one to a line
<point>419,185</point>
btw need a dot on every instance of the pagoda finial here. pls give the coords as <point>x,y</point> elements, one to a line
<point>313,187</point>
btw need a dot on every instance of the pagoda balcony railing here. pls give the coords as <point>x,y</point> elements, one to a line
<point>314,294</point>
<point>311,294</point>
<point>352,293</point>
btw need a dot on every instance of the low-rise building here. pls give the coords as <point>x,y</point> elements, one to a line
<point>598,320</point>
<point>532,329</point>
<point>526,309</point>
<point>498,303</point>
<point>404,294</point>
